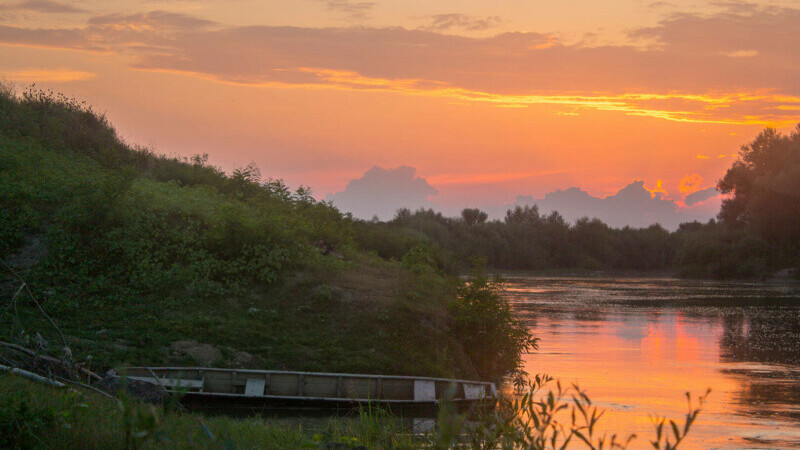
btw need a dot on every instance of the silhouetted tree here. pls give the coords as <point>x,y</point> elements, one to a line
<point>473,216</point>
<point>402,216</point>
<point>245,181</point>
<point>765,183</point>
<point>528,215</point>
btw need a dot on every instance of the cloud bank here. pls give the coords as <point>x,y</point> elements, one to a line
<point>708,68</point>
<point>41,6</point>
<point>633,206</point>
<point>349,10</point>
<point>455,21</point>
<point>700,196</point>
<point>381,192</point>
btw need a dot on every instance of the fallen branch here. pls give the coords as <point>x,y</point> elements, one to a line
<point>91,388</point>
<point>31,376</point>
<point>49,359</point>
<point>36,302</point>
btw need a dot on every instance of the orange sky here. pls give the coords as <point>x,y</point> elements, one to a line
<point>487,100</point>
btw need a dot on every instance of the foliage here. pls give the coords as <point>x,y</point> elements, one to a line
<point>150,223</point>
<point>25,426</point>
<point>493,337</point>
<point>543,417</point>
<point>525,240</point>
<point>765,187</point>
<point>140,423</point>
<point>140,250</point>
<point>473,216</point>
<point>758,232</point>
<point>662,440</point>
<point>553,418</point>
<point>715,251</point>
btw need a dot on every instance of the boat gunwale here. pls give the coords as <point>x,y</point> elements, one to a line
<point>335,399</point>
<point>329,374</point>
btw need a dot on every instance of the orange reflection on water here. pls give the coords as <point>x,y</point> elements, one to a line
<point>640,364</point>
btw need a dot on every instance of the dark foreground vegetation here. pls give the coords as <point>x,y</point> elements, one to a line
<point>547,416</point>
<point>757,234</point>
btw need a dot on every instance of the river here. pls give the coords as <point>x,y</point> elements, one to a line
<point>637,345</point>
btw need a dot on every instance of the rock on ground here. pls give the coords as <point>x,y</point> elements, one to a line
<point>203,354</point>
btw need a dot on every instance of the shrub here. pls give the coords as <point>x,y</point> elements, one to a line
<point>552,417</point>
<point>491,335</point>
<point>23,426</point>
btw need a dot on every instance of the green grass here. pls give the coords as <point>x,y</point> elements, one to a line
<point>36,416</point>
<point>69,418</point>
<point>354,321</point>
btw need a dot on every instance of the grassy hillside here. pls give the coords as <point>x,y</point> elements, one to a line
<point>145,259</point>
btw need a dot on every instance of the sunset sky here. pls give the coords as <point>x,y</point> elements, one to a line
<point>487,100</point>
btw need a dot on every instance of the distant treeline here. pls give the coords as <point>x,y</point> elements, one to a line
<point>758,231</point>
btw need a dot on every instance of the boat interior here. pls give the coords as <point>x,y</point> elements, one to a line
<point>251,383</point>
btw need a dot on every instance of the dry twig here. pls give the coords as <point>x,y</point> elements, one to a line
<point>36,302</point>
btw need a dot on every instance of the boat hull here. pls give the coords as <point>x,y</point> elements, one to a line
<point>262,390</point>
<point>321,407</point>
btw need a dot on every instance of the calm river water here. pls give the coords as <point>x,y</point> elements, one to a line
<point>636,345</point>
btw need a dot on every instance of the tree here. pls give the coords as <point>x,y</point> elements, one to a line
<point>526,215</point>
<point>764,184</point>
<point>402,216</point>
<point>473,216</point>
<point>244,181</point>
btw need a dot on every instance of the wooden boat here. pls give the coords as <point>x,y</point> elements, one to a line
<point>201,386</point>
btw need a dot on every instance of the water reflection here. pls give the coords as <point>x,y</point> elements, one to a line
<point>769,336</point>
<point>637,345</point>
<point>762,334</point>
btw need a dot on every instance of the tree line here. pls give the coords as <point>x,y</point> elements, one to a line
<point>756,233</point>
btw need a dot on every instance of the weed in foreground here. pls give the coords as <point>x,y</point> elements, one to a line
<point>547,417</point>
<point>551,419</point>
